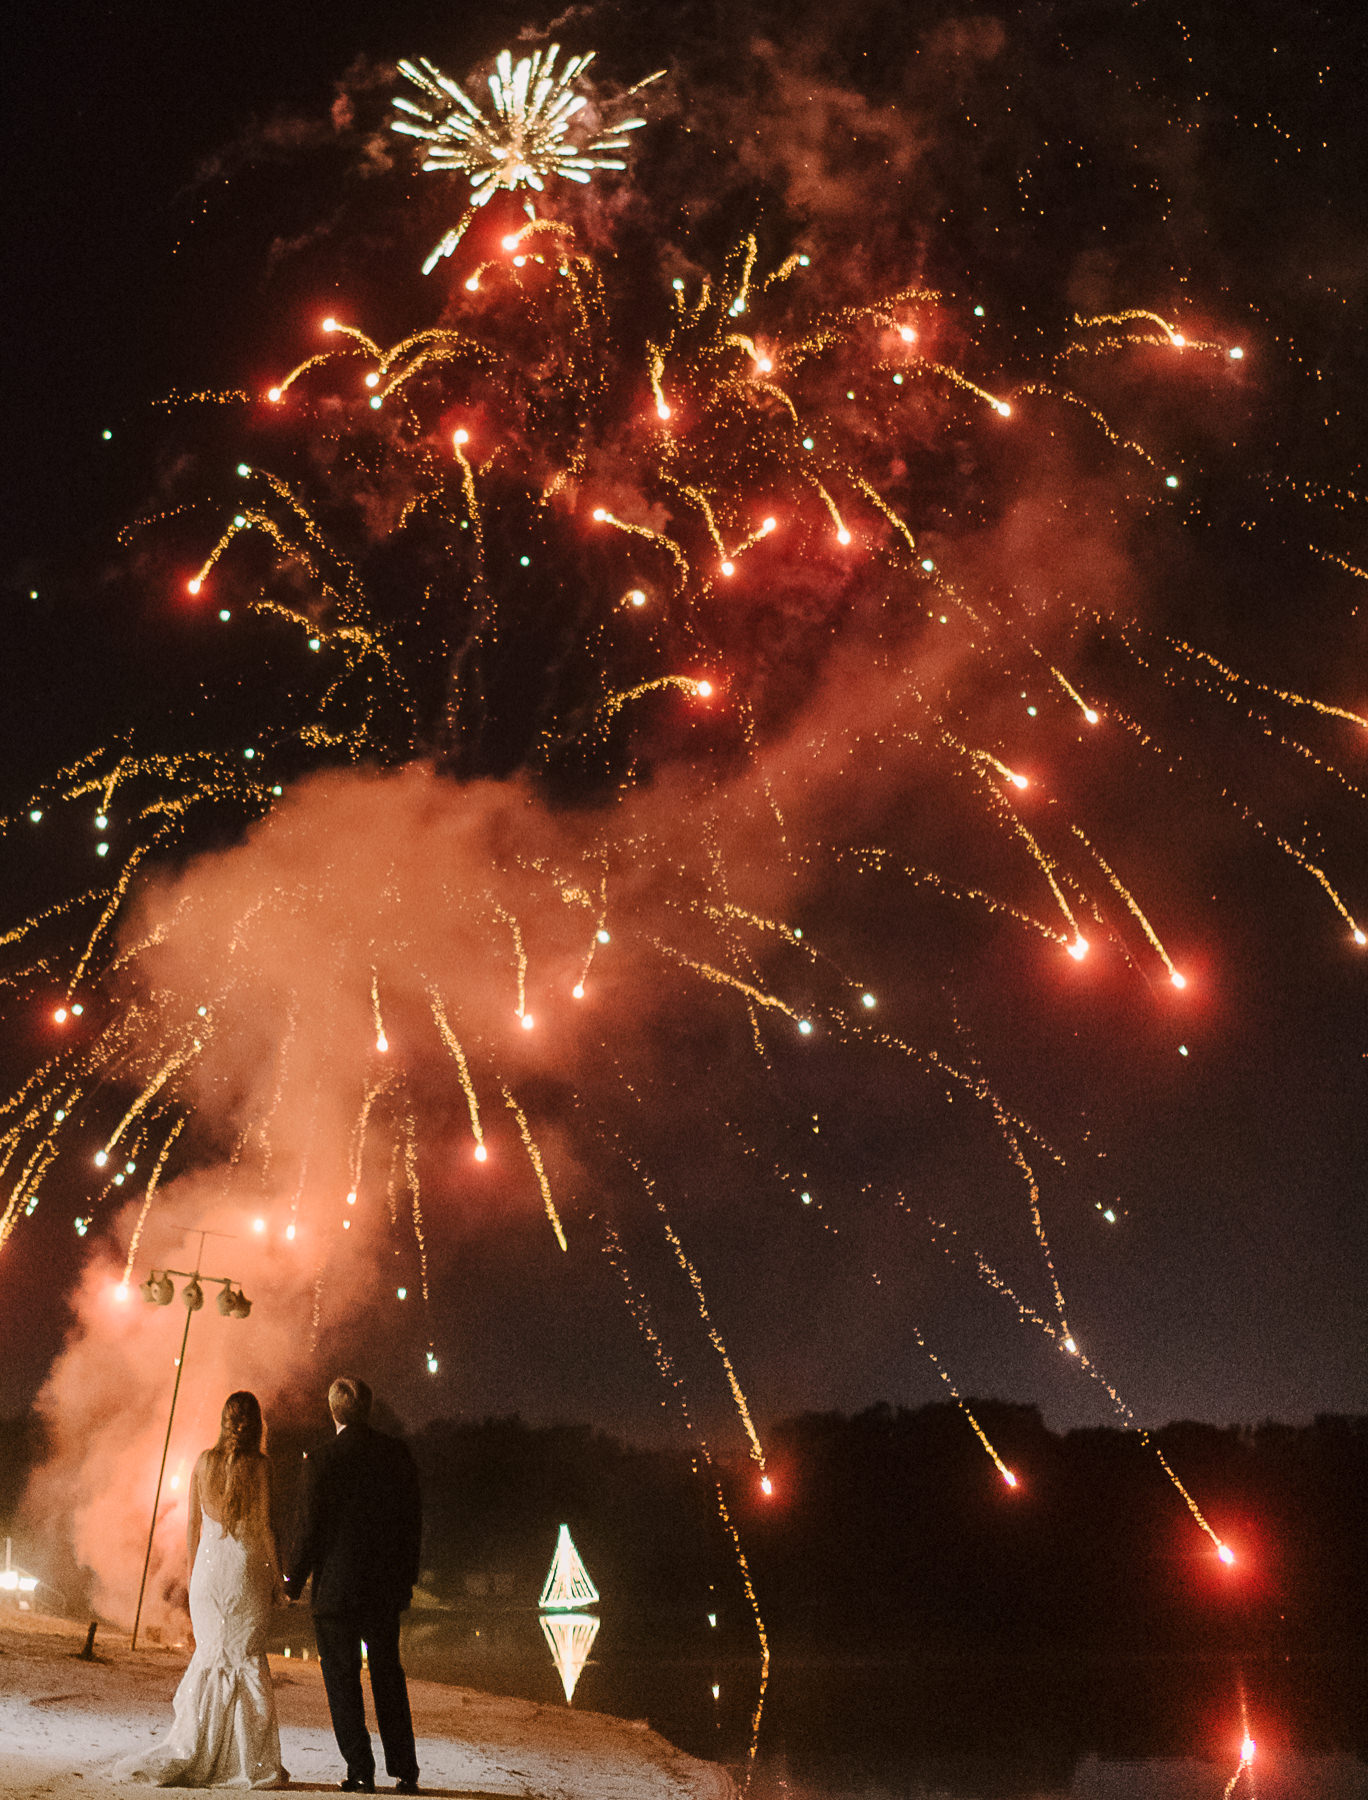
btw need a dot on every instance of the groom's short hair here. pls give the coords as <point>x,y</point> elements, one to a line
<point>349,1400</point>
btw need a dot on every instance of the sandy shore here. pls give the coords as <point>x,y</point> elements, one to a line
<point>64,1720</point>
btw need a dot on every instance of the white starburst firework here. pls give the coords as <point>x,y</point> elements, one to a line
<point>526,139</point>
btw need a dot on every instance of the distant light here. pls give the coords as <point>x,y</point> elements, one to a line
<point>805,1027</point>
<point>524,561</point>
<point>375,402</point>
<point>193,586</point>
<point>249,753</point>
<point>1236,354</point>
<point>351,1198</point>
<point>766,1485</point>
<point>101,1158</point>
<point>101,821</point>
<point>1071,1346</point>
<point>243,469</point>
<point>258,1224</point>
<point>106,435</point>
<point>978,312</point>
<point>1030,710</point>
<point>121,1292</point>
<point>431,1363</point>
<point>1179,341</point>
<point>804,261</point>
<point>1020,781</point>
<point>273,394</point>
<point>330,324</point>
<point>809,443</point>
<point>763,364</point>
<point>102,849</point>
<point>203,1011</point>
<point>768,525</point>
<point>77,1008</point>
<point>460,435</point>
<point>60,1015</point>
<point>906,333</point>
<point>224,615</point>
<point>481,1153</point>
<point>1171,481</point>
<point>1358,935</point>
<point>510,243</point>
<point>372,380</point>
<point>599,515</point>
<point>806,1199</point>
<point>60,1114</point>
<point>1090,715</point>
<point>677,285</point>
<point>867,1000</point>
<point>1247,1747</point>
<point>636,597</point>
<point>289,1232</point>
<point>1109,1216</point>
<point>1078,949</point>
<point>1004,409</point>
<point>728,568</point>
<point>703,689</point>
<point>843,536</point>
<point>797,931</point>
<point>473,284</point>
<point>716,1691</point>
<point>35,815</point>
<point>1009,1478</point>
<point>578,990</point>
<point>528,1021</point>
<point>1179,981</point>
<point>277,791</point>
<point>602,936</point>
<point>927,564</point>
<point>1226,1554</point>
<point>1182,1049</point>
<point>712,1620</point>
<point>401,1293</point>
<point>314,643</point>
<point>662,410</point>
<point>382,1043</point>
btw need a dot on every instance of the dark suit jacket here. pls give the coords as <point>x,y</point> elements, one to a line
<point>360,1525</point>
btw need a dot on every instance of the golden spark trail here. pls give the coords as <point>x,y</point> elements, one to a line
<point>641,1314</point>
<point>1132,904</point>
<point>154,1087</point>
<point>152,1181</point>
<point>535,1158</point>
<point>467,1085</point>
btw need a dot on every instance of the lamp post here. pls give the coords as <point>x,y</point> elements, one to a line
<point>157,1290</point>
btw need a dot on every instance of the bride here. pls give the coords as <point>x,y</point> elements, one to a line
<point>224,1732</point>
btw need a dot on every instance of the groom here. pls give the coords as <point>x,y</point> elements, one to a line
<point>358,1537</point>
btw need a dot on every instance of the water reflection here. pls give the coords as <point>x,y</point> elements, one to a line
<point>937,1728</point>
<point>571,1638</point>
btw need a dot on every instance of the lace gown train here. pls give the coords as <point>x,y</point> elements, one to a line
<point>224,1732</point>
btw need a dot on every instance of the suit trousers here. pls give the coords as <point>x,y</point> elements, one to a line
<point>339,1637</point>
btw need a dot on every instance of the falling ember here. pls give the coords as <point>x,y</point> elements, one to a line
<point>481,1152</point>
<point>1179,981</point>
<point>1226,1554</point>
<point>1078,949</point>
<point>766,1485</point>
<point>1009,1478</point>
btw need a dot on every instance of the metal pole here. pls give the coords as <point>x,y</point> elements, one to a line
<point>161,1473</point>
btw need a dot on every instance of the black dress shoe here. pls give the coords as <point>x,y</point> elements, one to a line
<point>406,1787</point>
<point>354,1785</point>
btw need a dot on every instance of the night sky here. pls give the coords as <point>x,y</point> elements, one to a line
<point>189,190</point>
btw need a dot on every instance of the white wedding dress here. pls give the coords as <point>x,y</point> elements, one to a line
<point>224,1731</point>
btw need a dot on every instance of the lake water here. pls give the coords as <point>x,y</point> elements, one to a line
<point>968,1728</point>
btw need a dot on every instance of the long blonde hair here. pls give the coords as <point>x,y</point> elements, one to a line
<point>232,1462</point>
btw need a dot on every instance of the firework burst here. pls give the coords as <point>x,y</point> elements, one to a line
<point>528,138</point>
